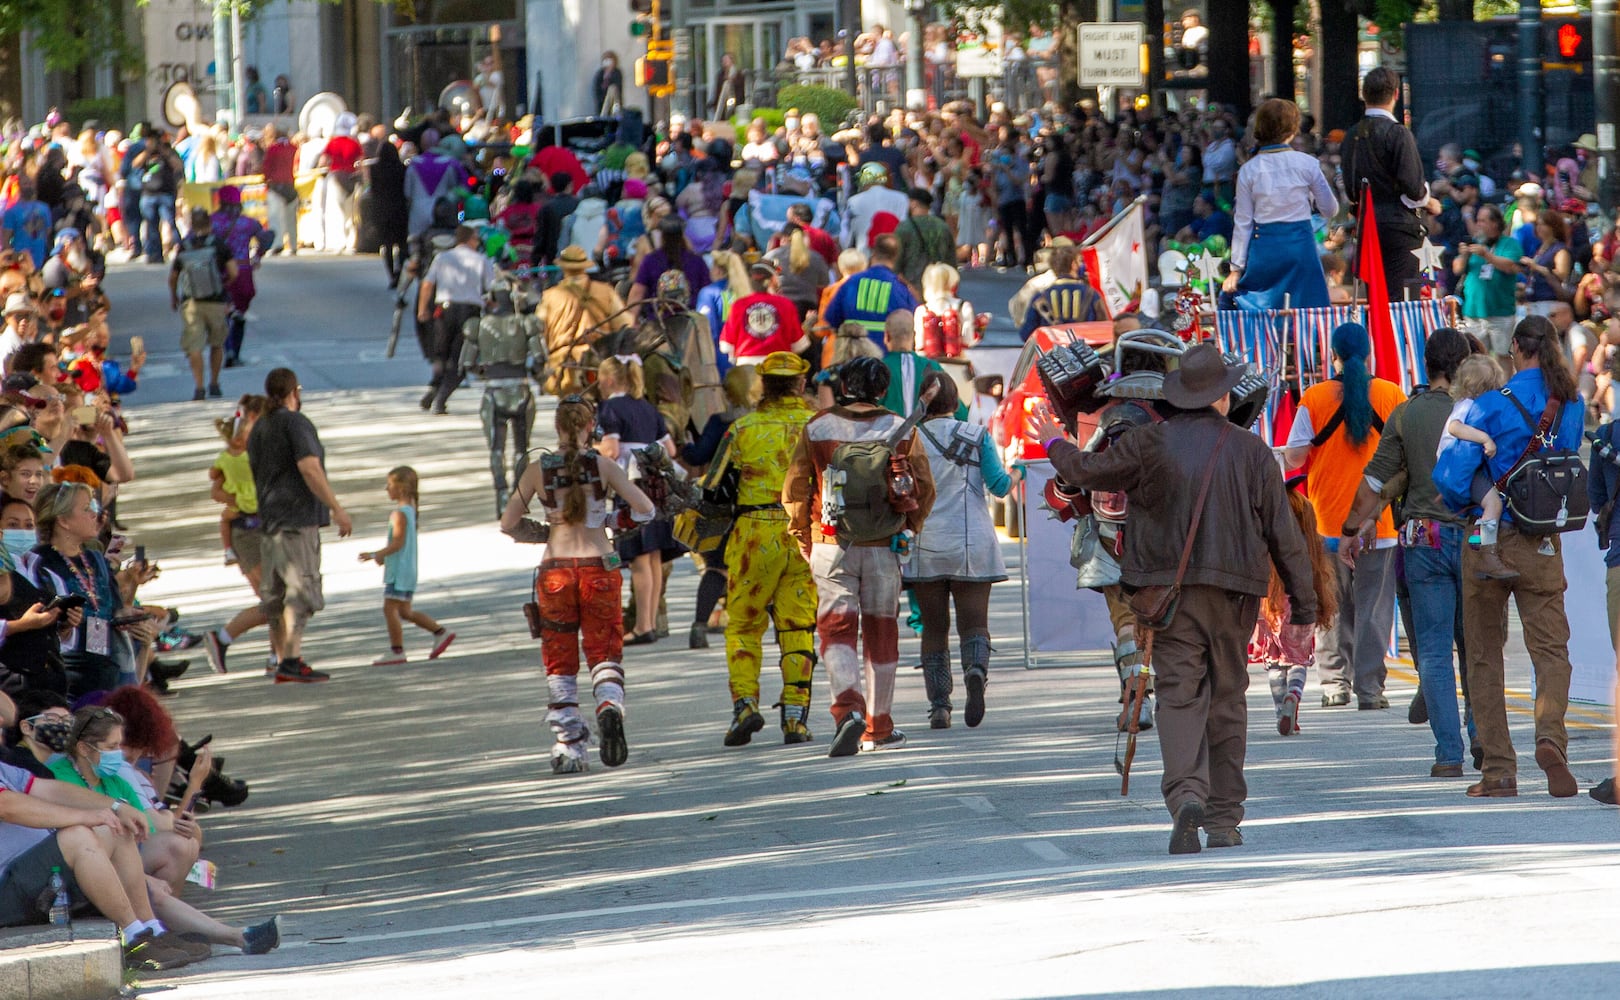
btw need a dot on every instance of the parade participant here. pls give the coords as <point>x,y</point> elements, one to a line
<point>499,346</point>
<point>741,386</point>
<point>869,296</point>
<point>398,559</point>
<point>802,274</point>
<point>628,422</point>
<point>925,240</point>
<point>958,554</point>
<point>1287,669</point>
<point>762,323</point>
<point>672,253</point>
<point>573,315</point>
<point>1196,469</point>
<point>877,209</point>
<point>767,574</point>
<point>281,191</point>
<point>1069,299</point>
<point>248,242</point>
<point>452,293</point>
<point>1381,153</point>
<point>202,274</point>
<point>908,370</point>
<point>1274,260</point>
<point>946,325</point>
<point>1337,428</point>
<point>848,524</point>
<point>1431,542</point>
<point>577,585</point>
<point>1540,400</point>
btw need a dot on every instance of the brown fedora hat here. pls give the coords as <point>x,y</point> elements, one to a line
<point>1201,377</point>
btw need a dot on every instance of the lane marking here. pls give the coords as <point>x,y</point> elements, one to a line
<point>1046,850</point>
<point>977,803</point>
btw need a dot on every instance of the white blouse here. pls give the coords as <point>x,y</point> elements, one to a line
<point>1284,186</point>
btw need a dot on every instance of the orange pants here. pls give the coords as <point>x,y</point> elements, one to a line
<point>579,603</point>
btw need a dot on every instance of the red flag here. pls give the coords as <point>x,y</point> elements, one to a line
<point>1370,269</point>
<point>1283,422</point>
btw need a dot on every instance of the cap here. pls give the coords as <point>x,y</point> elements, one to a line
<point>767,266</point>
<point>1528,190</point>
<point>1471,154</point>
<point>574,258</point>
<point>783,363</point>
<point>17,302</point>
<point>229,194</point>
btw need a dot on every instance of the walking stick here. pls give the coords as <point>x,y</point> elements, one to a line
<point>1135,694</point>
<point>400,304</point>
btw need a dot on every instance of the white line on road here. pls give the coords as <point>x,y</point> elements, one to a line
<point>1046,850</point>
<point>977,803</point>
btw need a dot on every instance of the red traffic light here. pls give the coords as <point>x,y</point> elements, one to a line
<point>1569,41</point>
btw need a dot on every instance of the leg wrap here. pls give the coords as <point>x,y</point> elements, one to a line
<point>563,715</point>
<point>607,685</point>
<point>936,668</point>
<point>798,664</point>
<point>1277,676</point>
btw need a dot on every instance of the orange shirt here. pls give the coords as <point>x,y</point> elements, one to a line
<point>1337,466</point>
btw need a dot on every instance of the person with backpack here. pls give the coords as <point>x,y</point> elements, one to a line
<point>199,280</point>
<point>946,325</point>
<point>958,554</point>
<point>1536,421</point>
<point>1337,429</point>
<point>858,490</point>
<point>925,239</point>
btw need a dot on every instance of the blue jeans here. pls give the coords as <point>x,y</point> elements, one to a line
<point>157,211</point>
<point>1434,577</point>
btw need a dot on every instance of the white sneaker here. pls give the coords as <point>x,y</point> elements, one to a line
<point>569,758</point>
<point>895,739</point>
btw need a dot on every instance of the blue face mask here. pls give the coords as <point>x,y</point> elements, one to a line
<point>18,540</point>
<point>111,762</point>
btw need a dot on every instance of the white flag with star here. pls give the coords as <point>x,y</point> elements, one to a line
<point>1116,265</point>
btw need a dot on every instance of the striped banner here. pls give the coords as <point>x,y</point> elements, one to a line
<point>1414,321</point>
<point>1313,339</point>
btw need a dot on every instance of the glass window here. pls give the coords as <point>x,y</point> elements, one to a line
<point>465,11</point>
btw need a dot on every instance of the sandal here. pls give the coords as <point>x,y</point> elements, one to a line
<point>641,638</point>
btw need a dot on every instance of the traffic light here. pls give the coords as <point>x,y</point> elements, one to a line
<point>646,18</point>
<point>657,75</point>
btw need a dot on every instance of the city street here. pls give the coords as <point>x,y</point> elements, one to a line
<point>405,823</point>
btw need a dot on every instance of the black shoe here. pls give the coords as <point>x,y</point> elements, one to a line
<point>426,402</point>
<point>1603,791</point>
<point>974,713</point>
<point>440,411</point>
<point>169,669</point>
<point>642,638</point>
<point>610,730</point>
<point>939,718</point>
<point>1372,706</point>
<point>216,651</point>
<point>233,362</point>
<point>157,684</point>
<point>228,792</point>
<point>1336,699</point>
<point>200,395</point>
<point>698,638</point>
<point>847,741</point>
<point>261,938</point>
<point>214,391</point>
<point>296,671</point>
<point>1223,838</point>
<point>1417,713</point>
<point>1184,835</point>
<point>1478,753</point>
<point>745,722</point>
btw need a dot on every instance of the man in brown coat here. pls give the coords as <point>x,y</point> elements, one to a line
<point>1201,657</point>
<point>574,314</point>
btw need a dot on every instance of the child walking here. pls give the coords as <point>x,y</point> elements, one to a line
<point>1287,669</point>
<point>232,476</point>
<point>398,559</point>
<point>1476,376</point>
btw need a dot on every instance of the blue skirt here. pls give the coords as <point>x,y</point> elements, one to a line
<point>1283,262</point>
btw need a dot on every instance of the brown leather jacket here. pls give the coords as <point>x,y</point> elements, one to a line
<point>1247,525</point>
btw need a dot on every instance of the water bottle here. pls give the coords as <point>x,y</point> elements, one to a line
<point>61,906</point>
<point>1602,448</point>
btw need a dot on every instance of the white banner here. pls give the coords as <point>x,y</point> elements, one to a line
<point>1115,262</point>
<point>1591,655</point>
<point>1060,617</point>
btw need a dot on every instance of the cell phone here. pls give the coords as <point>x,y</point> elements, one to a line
<point>140,554</point>
<point>137,344</point>
<point>85,416</point>
<point>125,619</point>
<point>65,602</point>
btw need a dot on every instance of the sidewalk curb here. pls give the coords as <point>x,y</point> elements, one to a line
<point>41,966</point>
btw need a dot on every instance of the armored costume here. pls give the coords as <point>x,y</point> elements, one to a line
<point>499,347</point>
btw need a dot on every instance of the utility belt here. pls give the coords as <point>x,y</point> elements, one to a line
<point>609,561</point>
<point>247,522</point>
<point>755,508</point>
<point>1424,532</point>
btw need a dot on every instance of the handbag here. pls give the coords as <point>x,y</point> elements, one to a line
<point>1155,606</point>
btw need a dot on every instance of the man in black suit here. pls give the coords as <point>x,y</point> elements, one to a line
<point>1381,151</point>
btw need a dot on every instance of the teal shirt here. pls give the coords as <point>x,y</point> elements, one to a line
<point>1488,291</point>
<point>399,569</point>
<point>902,395</point>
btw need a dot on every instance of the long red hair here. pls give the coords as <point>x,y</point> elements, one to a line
<point>1323,576</point>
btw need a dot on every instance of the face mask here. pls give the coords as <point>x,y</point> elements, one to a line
<point>792,124</point>
<point>19,540</point>
<point>52,733</point>
<point>110,763</point>
<point>607,63</point>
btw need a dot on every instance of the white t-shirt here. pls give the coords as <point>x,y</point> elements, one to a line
<point>9,343</point>
<point>460,276</point>
<point>1459,411</point>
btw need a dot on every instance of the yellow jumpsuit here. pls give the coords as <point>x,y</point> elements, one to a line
<point>767,573</point>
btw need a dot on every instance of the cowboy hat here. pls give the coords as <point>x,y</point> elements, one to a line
<point>1201,377</point>
<point>574,258</point>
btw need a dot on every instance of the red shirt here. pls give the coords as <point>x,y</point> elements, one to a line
<point>343,154</point>
<point>278,162</point>
<point>760,324</point>
<point>822,243</point>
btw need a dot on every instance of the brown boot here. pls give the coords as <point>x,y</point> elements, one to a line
<point>1491,566</point>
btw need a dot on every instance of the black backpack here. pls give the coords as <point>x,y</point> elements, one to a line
<point>1546,488</point>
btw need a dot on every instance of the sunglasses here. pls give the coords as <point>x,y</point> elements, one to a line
<point>83,722</point>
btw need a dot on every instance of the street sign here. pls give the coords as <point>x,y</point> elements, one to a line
<point>1111,55</point>
<point>977,59</point>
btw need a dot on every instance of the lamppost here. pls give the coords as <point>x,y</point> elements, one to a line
<point>916,96</point>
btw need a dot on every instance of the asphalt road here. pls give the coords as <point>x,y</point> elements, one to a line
<point>405,823</point>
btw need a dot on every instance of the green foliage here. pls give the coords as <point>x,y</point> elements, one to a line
<point>1392,16</point>
<point>826,103</point>
<point>774,119</point>
<point>70,33</point>
<point>107,110</point>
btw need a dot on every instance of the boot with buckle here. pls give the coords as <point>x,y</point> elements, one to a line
<point>795,723</point>
<point>745,722</point>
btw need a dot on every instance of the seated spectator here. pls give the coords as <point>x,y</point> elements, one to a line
<point>27,742</point>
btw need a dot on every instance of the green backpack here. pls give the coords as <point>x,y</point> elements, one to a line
<point>857,477</point>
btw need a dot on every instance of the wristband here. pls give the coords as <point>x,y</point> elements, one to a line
<point>1047,446</point>
<point>1349,532</point>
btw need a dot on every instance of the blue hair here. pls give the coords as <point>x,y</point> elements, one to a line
<point>1352,345</point>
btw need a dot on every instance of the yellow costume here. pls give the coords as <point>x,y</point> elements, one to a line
<point>767,572</point>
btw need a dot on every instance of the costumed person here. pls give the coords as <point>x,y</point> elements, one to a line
<point>946,325</point>
<point>958,554</point>
<point>248,242</point>
<point>1274,258</point>
<point>768,577</point>
<point>678,358</point>
<point>696,531</point>
<point>499,347</point>
<point>1287,669</point>
<point>762,322</point>
<point>854,518</point>
<point>453,291</point>
<point>574,314</point>
<point>629,423</point>
<point>1197,593</point>
<point>576,591</point>
<point>876,210</point>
